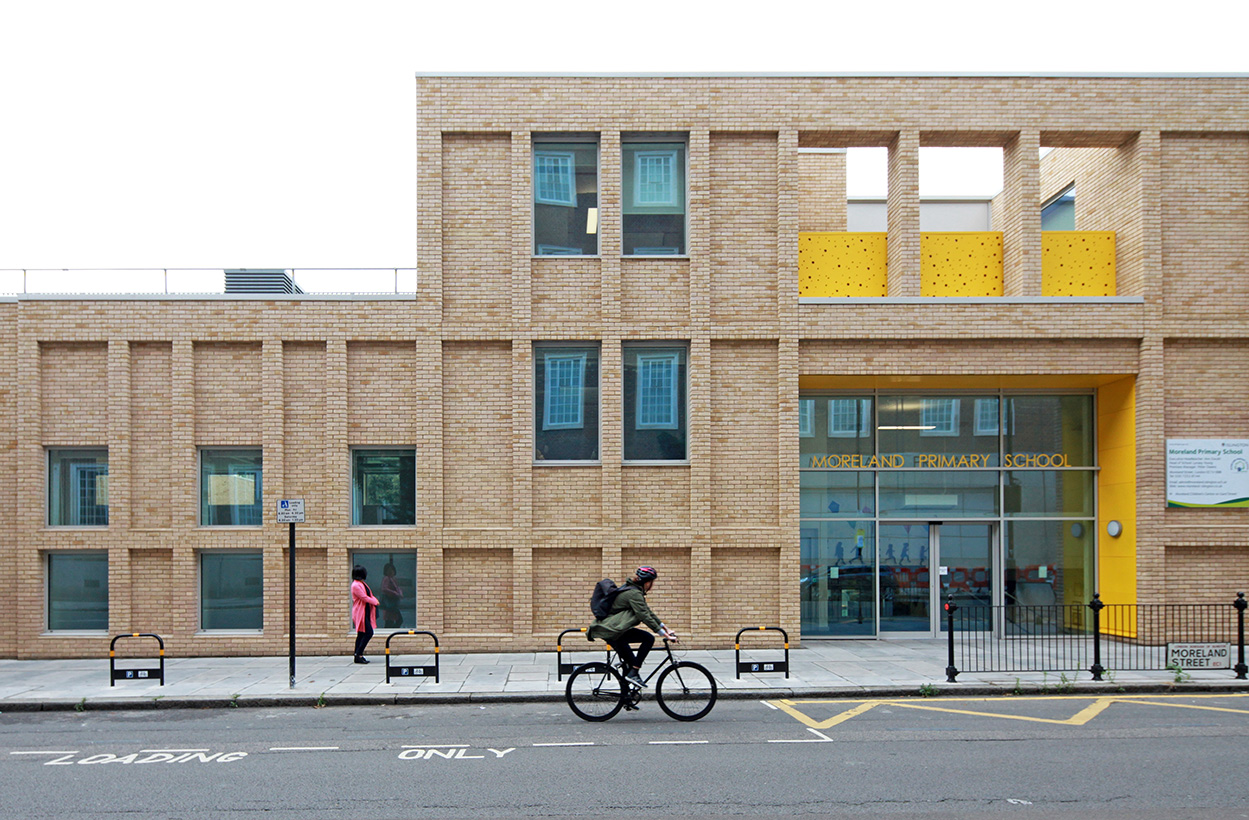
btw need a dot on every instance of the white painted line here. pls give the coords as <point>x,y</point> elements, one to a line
<point>770,705</point>
<point>676,742</point>
<point>44,753</point>
<point>823,738</point>
<point>587,743</point>
<point>438,746</point>
<point>162,751</point>
<point>303,748</point>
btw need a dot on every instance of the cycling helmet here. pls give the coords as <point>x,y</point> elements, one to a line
<point>645,574</point>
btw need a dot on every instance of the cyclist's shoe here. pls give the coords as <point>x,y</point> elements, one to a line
<point>635,679</point>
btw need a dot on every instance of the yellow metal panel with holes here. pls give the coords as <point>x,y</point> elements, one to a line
<point>841,264</point>
<point>1078,263</point>
<point>1116,490</point>
<point>962,263</point>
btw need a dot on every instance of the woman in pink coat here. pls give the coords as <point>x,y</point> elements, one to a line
<point>363,611</point>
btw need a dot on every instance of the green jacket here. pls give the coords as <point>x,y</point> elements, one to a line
<point>628,610</point>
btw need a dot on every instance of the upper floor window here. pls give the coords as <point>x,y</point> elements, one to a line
<point>566,414</point>
<point>655,399</point>
<point>383,487</point>
<point>77,487</point>
<point>654,196</point>
<point>231,488</point>
<point>565,198</point>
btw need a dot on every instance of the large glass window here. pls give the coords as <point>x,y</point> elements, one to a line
<point>77,590</point>
<point>566,409</point>
<point>77,487</point>
<point>837,493</point>
<point>655,403</point>
<point>383,487</point>
<point>231,590</point>
<point>565,198</point>
<point>230,488</point>
<point>653,192</point>
<point>1048,493</point>
<point>938,494</point>
<point>392,577</point>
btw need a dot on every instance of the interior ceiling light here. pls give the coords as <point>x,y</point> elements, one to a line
<point>907,427</point>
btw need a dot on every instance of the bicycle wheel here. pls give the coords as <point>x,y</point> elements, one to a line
<point>686,691</point>
<point>595,691</point>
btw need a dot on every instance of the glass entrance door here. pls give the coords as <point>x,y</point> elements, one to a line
<point>923,564</point>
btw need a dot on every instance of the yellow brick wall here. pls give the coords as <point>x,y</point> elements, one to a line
<point>475,594</point>
<point>563,580</point>
<point>743,216</point>
<point>228,394</point>
<point>477,434</point>
<point>744,434</point>
<point>151,443</point>
<point>74,394</point>
<point>476,236</point>
<point>822,192</point>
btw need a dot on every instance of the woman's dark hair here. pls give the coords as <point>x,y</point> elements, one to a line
<point>389,569</point>
<point>359,573</point>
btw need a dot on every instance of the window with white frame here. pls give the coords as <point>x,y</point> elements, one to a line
<point>849,418</point>
<point>77,487</point>
<point>565,391</point>
<point>939,417</point>
<point>655,177</point>
<point>566,395</point>
<point>657,391</point>
<point>806,418</point>
<point>986,417</point>
<point>655,402</point>
<point>554,177</point>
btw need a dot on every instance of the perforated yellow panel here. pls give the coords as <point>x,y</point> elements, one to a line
<point>1078,263</point>
<point>842,264</point>
<point>960,264</point>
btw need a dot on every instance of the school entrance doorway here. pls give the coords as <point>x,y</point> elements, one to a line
<point>893,581</point>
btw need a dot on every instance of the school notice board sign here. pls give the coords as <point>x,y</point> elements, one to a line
<point>1207,472</point>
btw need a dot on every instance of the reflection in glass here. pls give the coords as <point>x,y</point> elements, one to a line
<point>392,577</point>
<point>383,490</point>
<point>838,494</point>
<point>655,411</point>
<point>231,488</point>
<point>939,425</point>
<point>1046,425</point>
<point>1048,493</point>
<point>905,578</point>
<point>231,590</point>
<point>78,488</point>
<point>565,199</point>
<point>1048,562</point>
<point>78,590</point>
<point>566,409</point>
<point>840,425</point>
<point>938,494</point>
<point>966,554</point>
<point>837,578</point>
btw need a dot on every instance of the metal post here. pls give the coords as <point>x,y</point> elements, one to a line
<point>1096,605</point>
<point>291,606</point>
<point>951,672</point>
<point>1240,604</point>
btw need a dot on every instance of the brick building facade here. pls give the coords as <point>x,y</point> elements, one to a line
<point>702,313</point>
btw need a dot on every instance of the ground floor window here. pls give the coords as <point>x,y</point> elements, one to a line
<point>77,587</point>
<point>231,590</point>
<point>392,577</point>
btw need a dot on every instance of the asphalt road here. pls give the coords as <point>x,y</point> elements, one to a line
<point>1060,757</point>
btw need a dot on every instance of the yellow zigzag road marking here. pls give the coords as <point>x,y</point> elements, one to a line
<point>1080,718</point>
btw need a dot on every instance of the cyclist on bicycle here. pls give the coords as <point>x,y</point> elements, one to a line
<point>619,628</point>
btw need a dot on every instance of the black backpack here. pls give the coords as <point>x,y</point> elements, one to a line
<point>603,597</point>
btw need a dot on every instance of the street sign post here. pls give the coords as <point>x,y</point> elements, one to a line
<point>291,511</point>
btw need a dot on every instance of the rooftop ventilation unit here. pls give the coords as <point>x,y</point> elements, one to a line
<point>243,280</point>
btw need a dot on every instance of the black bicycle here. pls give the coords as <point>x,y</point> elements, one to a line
<point>597,690</point>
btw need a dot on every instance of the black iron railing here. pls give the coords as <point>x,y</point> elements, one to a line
<point>1097,637</point>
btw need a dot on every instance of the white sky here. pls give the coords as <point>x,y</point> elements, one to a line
<point>281,134</point>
